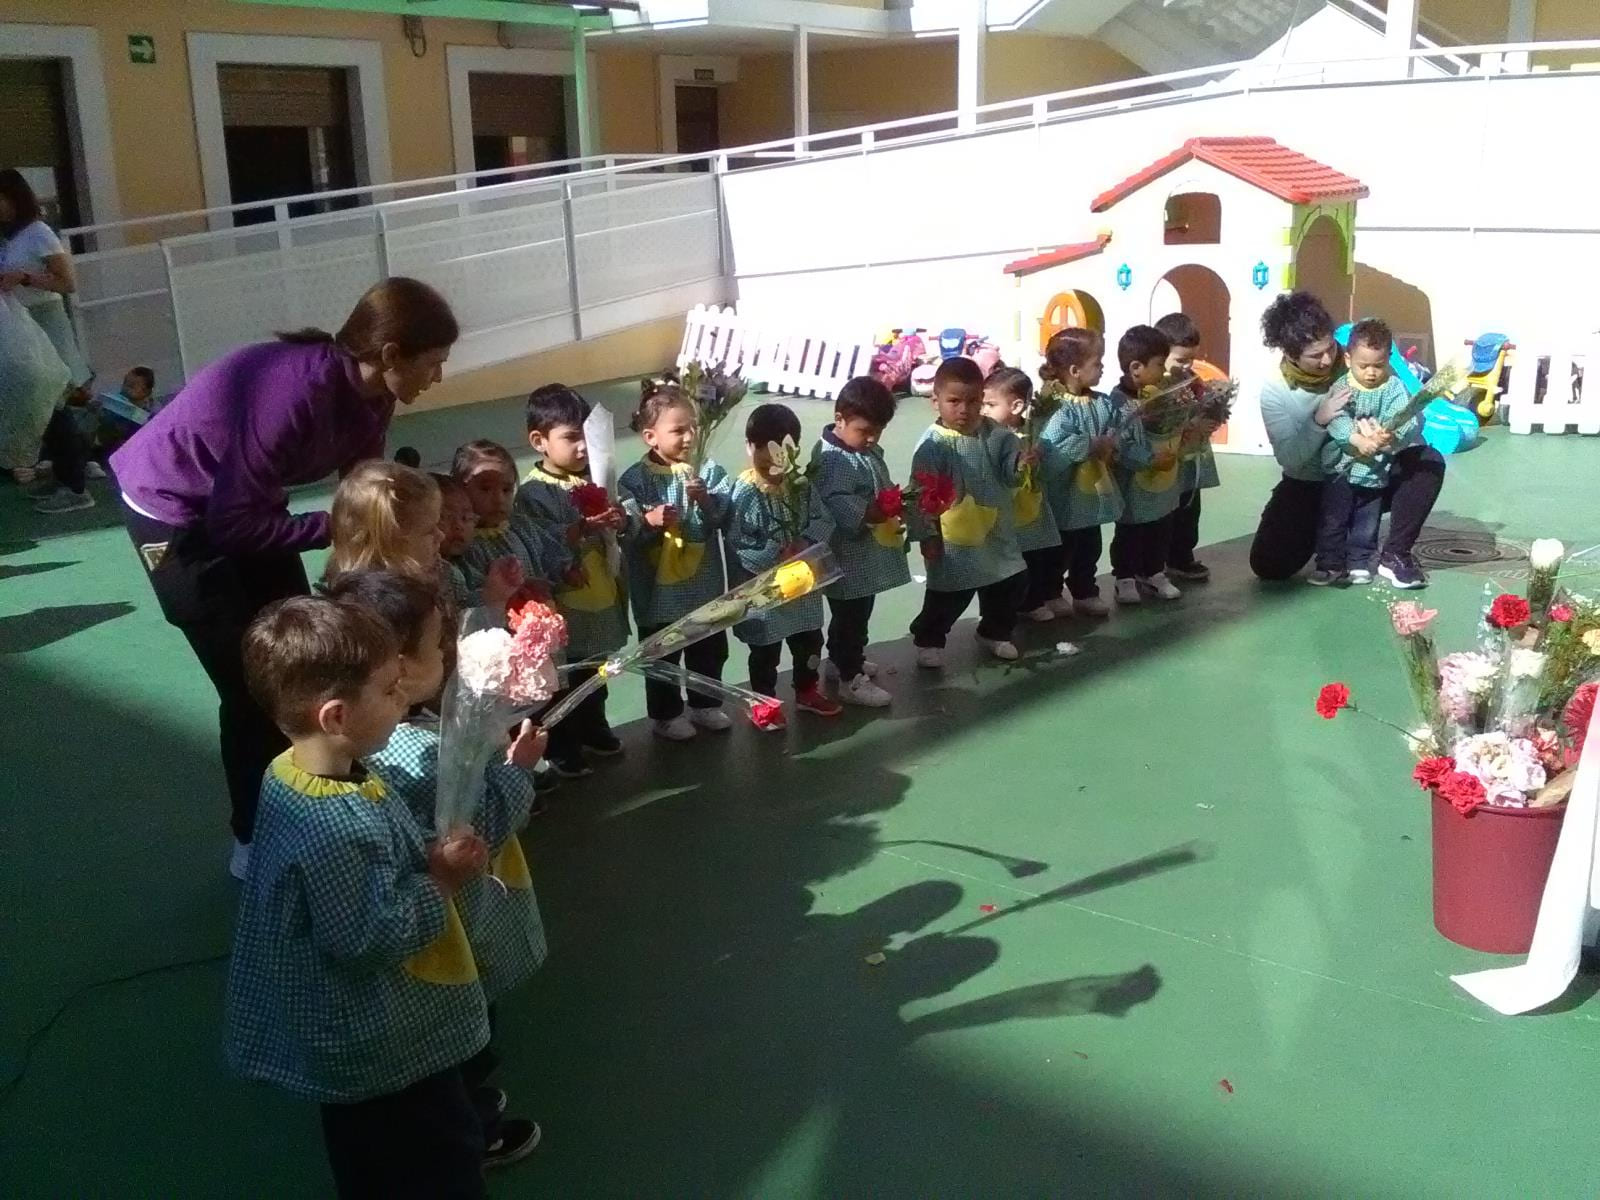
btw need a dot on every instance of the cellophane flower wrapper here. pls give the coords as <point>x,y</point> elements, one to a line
<point>1041,408</point>
<point>1446,381</point>
<point>1544,568</point>
<point>1411,624</point>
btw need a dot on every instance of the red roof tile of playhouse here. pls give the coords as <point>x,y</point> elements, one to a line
<point>1287,174</point>
<point>1054,258</point>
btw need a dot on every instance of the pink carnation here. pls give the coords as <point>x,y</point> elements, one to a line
<point>1411,618</point>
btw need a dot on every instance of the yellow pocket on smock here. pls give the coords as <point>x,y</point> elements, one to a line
<point>448,958</point>
<point>677,559</point>
<point>967,523</point>
<point>890,534</point>
<point>1026,505</point>
<point>599,590</point>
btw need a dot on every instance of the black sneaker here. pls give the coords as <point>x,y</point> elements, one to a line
<point>518,1139</point>
<point>1195,572</point>
<point>603,745</point>
<point>489,1098</point>
<point>569,766</point>
<point>1323,578</point>
<point>1402,572</point>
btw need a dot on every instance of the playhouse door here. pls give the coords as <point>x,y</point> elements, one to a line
<point>1067,310</point>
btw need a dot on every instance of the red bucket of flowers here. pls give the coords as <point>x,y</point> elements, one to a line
<point>1501,730</point>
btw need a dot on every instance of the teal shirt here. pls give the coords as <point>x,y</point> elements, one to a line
<point>1149,492</point>
<point>1298,443</point>
<point>846,481</point>
<point>1081,493</point>
<point>597,610</point>
<point>351,974</point>
<point>1380,404</point>
<point>978,533</point>
<point>672,572</point>
<point>498,909</point>
<point>543,555</point>
<point>755,542</point>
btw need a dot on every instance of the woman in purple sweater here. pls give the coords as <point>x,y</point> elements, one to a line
<point>205,487</point>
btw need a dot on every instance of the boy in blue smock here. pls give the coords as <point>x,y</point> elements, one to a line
<point>971,547</point>
<point>1199,469</point>
<point>352,982</point>
<point>1147,473</point>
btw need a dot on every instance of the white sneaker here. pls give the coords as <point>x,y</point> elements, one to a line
<point>1091,606</point>
<point>863,693</point>
<point>676,730</point>
<point>1043,614</point>
<point>830,670</point>
<point>1062,606</point>
<point>239,860</point>
<point>93,470</point>
<point>931,657</point>
<point>1007,651</point>
<point>64,501</point>
<point>1128,592</point>
<point>712,720</point>
<point>1358,576</point>
<point>1161,586</point>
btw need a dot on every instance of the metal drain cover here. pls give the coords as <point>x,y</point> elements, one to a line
<point>1442,548</point>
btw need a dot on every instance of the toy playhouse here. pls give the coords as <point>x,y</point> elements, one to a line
<point>1216,228</point>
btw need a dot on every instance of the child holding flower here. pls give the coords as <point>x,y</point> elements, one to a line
<point>1148,474</point>
<point>1007,400</point>
<point>559,495</point>
<point>773,513</point>
<point>853,484</point>
<point>674,561</point>
<point>970,547</point>
<point>489,474</point>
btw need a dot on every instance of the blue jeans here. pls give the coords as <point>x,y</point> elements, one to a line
<point>1347,535</point>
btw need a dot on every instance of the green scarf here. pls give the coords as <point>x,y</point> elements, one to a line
<point>1295,377</point>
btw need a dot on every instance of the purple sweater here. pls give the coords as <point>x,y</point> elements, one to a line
<point>243,431</point>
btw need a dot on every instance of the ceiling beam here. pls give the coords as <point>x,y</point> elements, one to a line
<point>511,12</point>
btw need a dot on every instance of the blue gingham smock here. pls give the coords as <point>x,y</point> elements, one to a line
<point>1148,493</point>
<point>1082,492</point>
<point>846,481</point>
<point>1380,404</point>
<point>597,612</point>
<point>351,974</point>
<point>672,572</point>
<point>980,542</point>
<point>754,539</point>
<point>543,555</point>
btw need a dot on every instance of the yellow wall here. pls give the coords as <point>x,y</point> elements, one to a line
<point>1481,21</point>
<point>1024,64</point>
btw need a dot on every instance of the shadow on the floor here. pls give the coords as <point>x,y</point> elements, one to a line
<point>33,630</point>
<point>39,568</point>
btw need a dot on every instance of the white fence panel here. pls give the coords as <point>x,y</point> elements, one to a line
<point>789,362</point>
<point>645,238</point>
<point>1557,390</point>
<point>125,316</point>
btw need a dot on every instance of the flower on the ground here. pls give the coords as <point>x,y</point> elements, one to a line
<point>1578,713</point>
<point>1431,772</point>
<point>1546,554</point>
<point>1331,699</point>
<point>1463,792</point>
<point>764,714</point>
<point>1508,767</point>
<point>1410,618</point>
<point>1561,612</point>
<point>1508,611</point>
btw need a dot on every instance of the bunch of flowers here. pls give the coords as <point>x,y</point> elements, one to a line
<point>1043,406</point>
<point>794,488</point>
<point>1446,381</point>
<point>715,393</point>
<point>590,499</point>
<point>934,494</point>
<point>1502,725</point>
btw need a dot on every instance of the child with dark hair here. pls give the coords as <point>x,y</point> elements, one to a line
<point>674,560</point>
<point>1147,475</point>
<point>1352,498</point>
<point>489,474</point>
<point>1199,470</point>
<point>351,981</point>
<point>971,548</point>
<point>594,600</point>
<point>768,522</point>
<point>1007,396</point>
<point>1080,443</point>
<point>849,474</point>
<point>457,524</point>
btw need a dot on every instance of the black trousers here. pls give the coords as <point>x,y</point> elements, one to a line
<point>997,611</point>
<point>1287,534</point>
<point>423,1142</point>
<point>1347,536</point>
<point>585,725</point>
<point>1140,551</point>
<point>662,700</point>
<point>211,598</point>
<point>65,445</point>
<point>847,634</point>
<point>1081,550</point>
<point>1045,568</point>
<point>1185,534</point>
<point>805,648</point>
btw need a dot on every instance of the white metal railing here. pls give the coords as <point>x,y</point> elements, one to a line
<point>533,263</point>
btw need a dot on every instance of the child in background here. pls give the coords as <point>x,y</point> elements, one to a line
<point>113,419</point>
<point>500,914</point>
<point>1198,471</point>
<point>1352,498</point>
<point>351,980</point>
<point>594,602</point>
<point>1148,475</point>
<point>674,560</point>
<point>765,526</point>
<point>972,548</point>
<point>1080,444</point>
<point>489,474</point>
<point>1007,395</point>
<point>869,544</point>
<point>457,523</point>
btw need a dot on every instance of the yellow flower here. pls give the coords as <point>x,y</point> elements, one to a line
<point>795,579</point>
<point>1591,641</point>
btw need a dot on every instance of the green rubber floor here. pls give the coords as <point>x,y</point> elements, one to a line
<point>1147,926</point>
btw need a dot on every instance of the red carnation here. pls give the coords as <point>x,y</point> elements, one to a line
<point>1509,612</point>
<point>1331,699</point>
<point>1461,791</point>
<point>1561,612</point>
<point>1579,711</point>
<point>891,502</point>
<point>1431,772</point>
<point>936,494</point>
<point>590,499</point>
<point>766,714</point>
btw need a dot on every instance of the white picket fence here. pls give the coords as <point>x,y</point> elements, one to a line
<point>1553,390</point>
<point>787,360</point>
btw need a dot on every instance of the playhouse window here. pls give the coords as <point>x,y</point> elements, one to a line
<point>1193,218</point>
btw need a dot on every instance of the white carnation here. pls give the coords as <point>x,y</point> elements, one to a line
<point>1546,554</point>
<point>483,660</point>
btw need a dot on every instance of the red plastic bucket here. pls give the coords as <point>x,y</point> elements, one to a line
<point>1489,869</point>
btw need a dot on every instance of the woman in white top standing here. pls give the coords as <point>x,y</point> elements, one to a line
<point>37,269</point>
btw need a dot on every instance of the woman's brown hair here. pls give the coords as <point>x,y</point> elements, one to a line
<point>402,312</point>
<point>24,204</point>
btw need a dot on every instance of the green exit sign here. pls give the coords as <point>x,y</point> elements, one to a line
<point>141,48</point>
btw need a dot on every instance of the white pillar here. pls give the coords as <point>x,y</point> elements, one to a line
<point>1520,21</point>
<point>1400,32</point>
<point>580,90</point>
<point>970,35</point>
<point>802,81</point>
